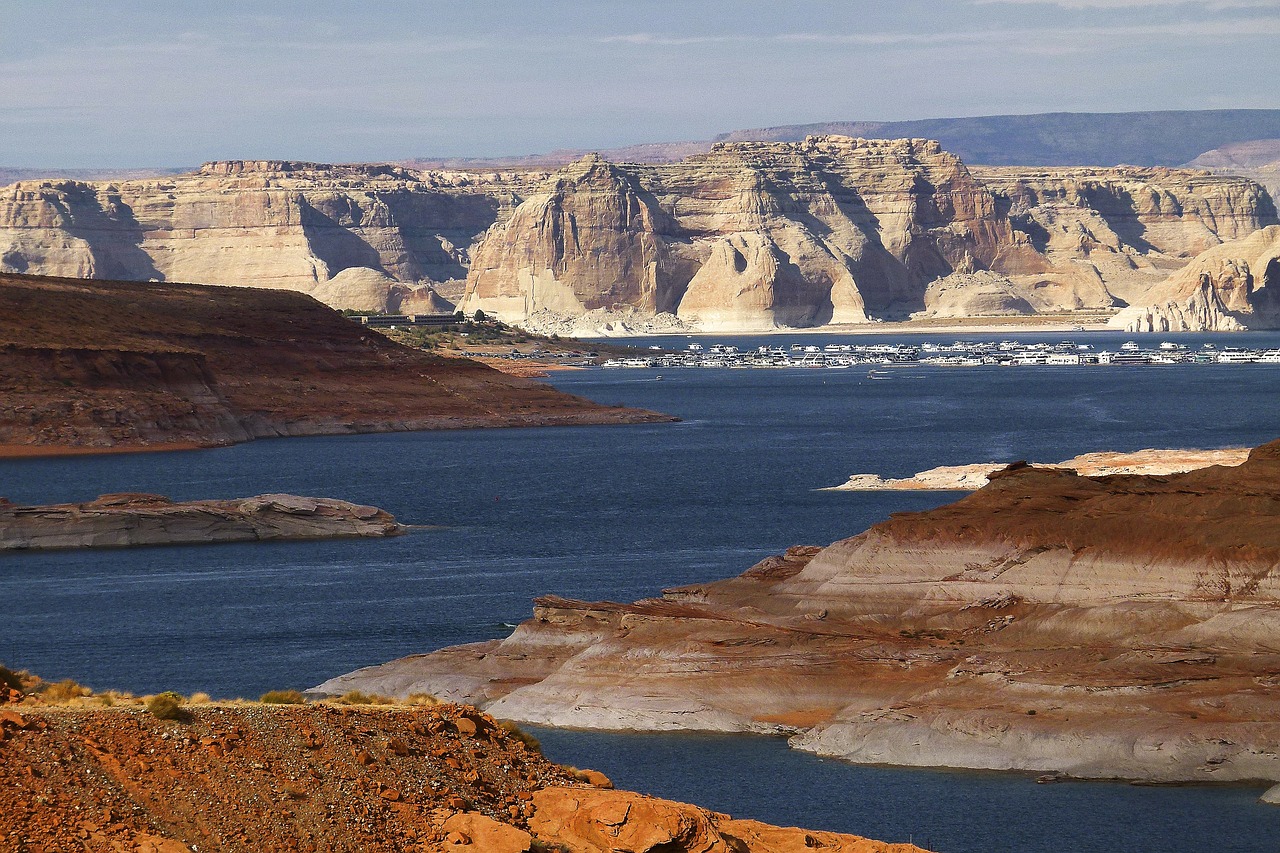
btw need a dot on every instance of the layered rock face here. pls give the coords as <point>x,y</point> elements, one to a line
<point>124,520</point>
<point>747,236</point>
<point>1118,626</point>
<point>131,365</point>
<point>1119,231</point>
<point>840,230</point>
<point>289,777</point>
<point>1228,288</point>
<point>359,237</point>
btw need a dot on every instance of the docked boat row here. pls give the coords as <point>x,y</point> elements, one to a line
<point>958,354</point>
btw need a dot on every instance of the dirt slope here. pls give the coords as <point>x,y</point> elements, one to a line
<point>130,365</point>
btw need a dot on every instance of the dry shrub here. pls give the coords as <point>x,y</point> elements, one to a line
<point>166,706</point>
<point>63,691</point>
<point>531,743</point>
<point>200,699</point>
<point>359,697</point>
<point>421,699</point>
<point>283,697</point>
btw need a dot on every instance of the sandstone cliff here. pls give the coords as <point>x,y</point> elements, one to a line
<point>359,237</point>
<point>130,365</point>
<point>1119,626</point>
<point>840,230</point>
<point>116,521</point>
<point>749,235</point>
<point>1119,231</point>
<point>1224,289</point>
<point>239,777</point>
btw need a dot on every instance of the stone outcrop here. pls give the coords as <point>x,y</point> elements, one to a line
<point>359,237</point>
<point>968,478</point>
<point>1112,626</point>
<point>1228,288</point>
<point>746,236</point>
<point>123,520</point>
<point>279,778</point>
<point>1256,159</point>
<point>131,365</point>
<point>839,230</point>
<point>1117,232</point>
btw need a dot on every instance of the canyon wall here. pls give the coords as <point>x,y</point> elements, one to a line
<point>840,230</point>
<point>747,236</point>
<point>1227,288</point>
<point>360,237</point>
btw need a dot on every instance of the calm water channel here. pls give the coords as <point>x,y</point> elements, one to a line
<point>619,513</point>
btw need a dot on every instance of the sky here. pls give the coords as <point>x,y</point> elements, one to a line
<point>174,83</point>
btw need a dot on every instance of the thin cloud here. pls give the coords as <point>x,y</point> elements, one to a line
<point>1057,37</point>
<point>1216,5</point>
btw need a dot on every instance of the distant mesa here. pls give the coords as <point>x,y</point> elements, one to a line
<point>765,229</point>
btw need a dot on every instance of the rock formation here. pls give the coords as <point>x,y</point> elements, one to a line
<point>1118,626</point>
<point>968,478</point>
<point>746,236</point>
<point>838,230</point>
<point>115,521</point>
<point>1117,232</point>
<point>278,778</point>
<point>1256,159</point>
<point>360,237</point>
<point>130,365</point>
<point>1227,288</point>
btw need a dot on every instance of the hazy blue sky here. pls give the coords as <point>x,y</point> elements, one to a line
<point>168,82</point>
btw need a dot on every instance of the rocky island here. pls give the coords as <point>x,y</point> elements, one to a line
<point>123,520</point>
<point>1106,627</point>
<point>973,476</point>
<point>112,365</point>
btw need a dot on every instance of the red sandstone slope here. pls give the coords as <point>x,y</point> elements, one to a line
<point>267,778</point>
<point>127,364</point>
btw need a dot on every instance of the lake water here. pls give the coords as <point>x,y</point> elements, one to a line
<point>620,513</point>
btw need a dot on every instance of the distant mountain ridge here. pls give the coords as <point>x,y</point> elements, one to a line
<point>1158,138</point>
<point>1163,138</point>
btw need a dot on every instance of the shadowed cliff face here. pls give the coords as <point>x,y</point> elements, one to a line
<point>1118,626</point>
<point>833,229</point>
<point>750,235</point>
<point>123,364</point>
<point>296,226</point>
<point>1230,287</point>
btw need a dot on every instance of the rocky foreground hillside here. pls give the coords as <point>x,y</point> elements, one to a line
<point>97,365</point>
<point>1118,626</point>
<point>749,235</point>
<point>248,777</point>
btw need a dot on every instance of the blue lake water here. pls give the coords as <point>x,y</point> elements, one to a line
<point>620,513</point>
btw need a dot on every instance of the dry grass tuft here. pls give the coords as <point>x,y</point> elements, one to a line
<point>283,697</point>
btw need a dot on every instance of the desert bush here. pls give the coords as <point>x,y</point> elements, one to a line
<point>531,743</point>
<point>64,691</point>
<point>359,697</point>
<point>166,706</point>
<point>283,697</point>
<point>14,680</point>
<point>200,699</point>
<point>421,699</point>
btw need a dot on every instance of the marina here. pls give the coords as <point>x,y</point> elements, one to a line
<point>1006,353</point>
